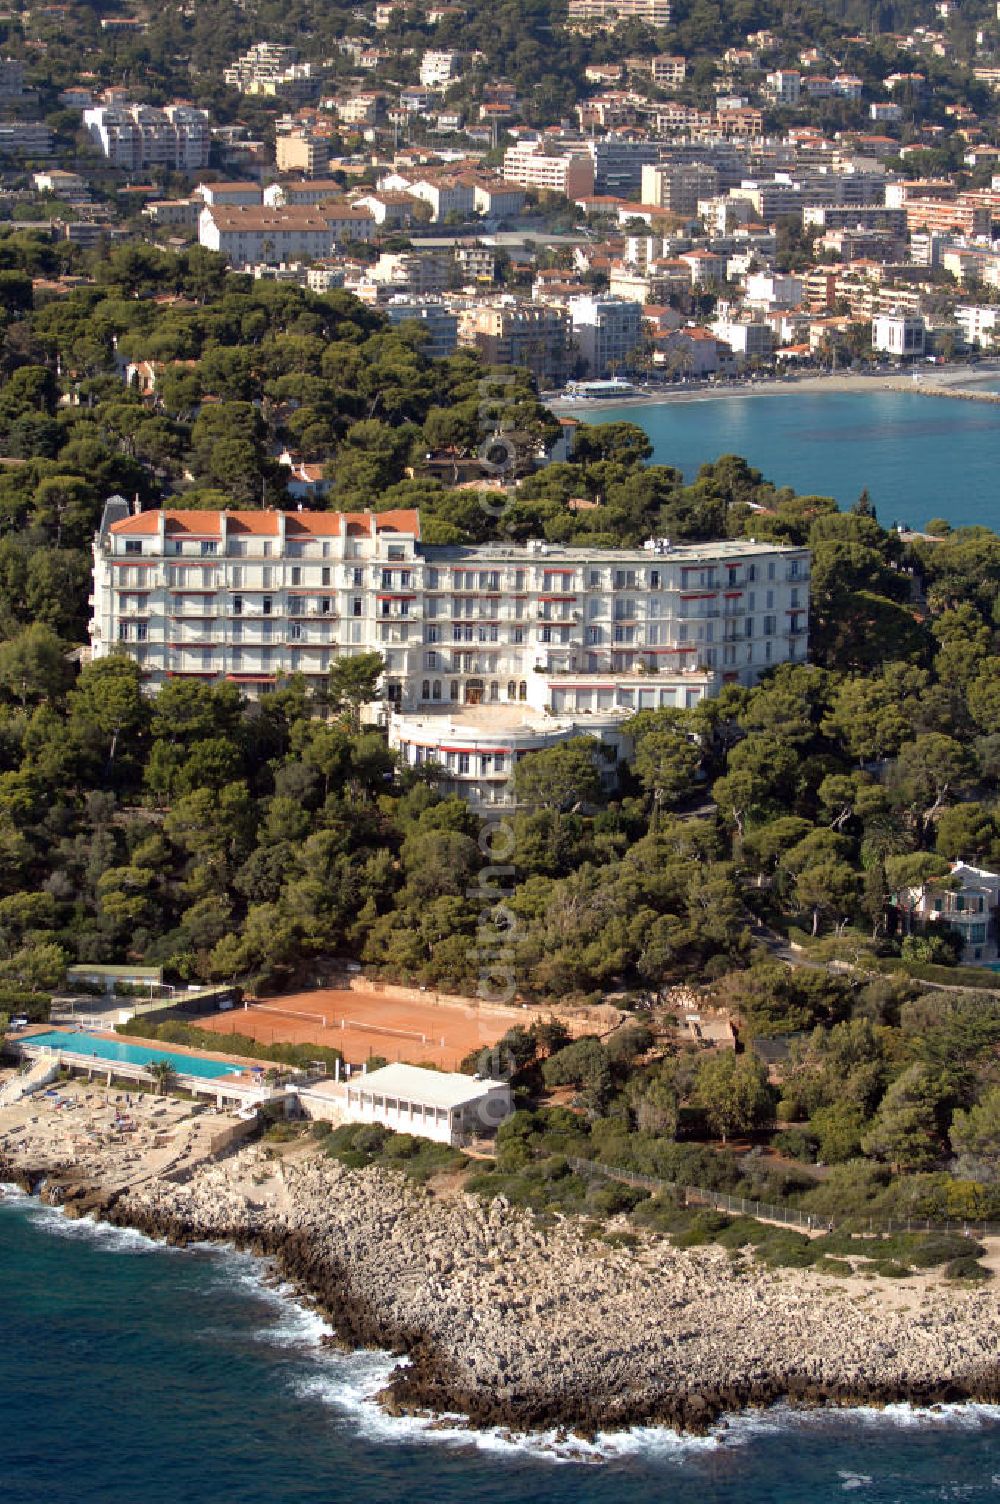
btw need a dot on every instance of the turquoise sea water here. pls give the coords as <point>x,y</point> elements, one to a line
<point>920,457</point>
<point>134,1054</point>
<point>135,1373</point>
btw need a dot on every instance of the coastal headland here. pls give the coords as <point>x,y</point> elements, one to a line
<point>500,1320</point>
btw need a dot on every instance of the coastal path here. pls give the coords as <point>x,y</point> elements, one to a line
<point>784,1216</point>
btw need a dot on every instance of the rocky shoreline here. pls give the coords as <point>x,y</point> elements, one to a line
<point>503,1323</point>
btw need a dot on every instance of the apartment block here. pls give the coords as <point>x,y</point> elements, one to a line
<point>507,332</point>
<point>530,164</point>
<point>304,152</point>
<point>271,236</point>
<point>136,136</point>
<point>677,187</point>
<point>271,70</point>
<point>605,333</point>
<point>489,651</point>
<point>609,12</point>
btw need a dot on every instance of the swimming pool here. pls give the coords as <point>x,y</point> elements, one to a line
<point>133,1054</point>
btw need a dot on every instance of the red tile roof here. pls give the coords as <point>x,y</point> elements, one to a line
<point>265,524</point>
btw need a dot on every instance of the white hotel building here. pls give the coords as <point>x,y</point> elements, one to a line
<point>490,650</point>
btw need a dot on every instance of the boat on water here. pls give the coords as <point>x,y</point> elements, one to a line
<point>611,390</point>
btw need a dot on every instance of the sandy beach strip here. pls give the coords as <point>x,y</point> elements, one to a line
<point>956,381</point>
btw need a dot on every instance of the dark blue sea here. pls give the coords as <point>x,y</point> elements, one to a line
<point>130,1372</point>
<point>920,457</point>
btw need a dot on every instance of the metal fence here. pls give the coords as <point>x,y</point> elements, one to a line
<point>788,1216</point>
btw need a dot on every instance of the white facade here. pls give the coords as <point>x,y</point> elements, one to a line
<point>570,172</point>
<point>785,87</point>
<point>899,334</point>
<point>969,904</point>
<point>135,136</point>
<point>254,236</point>
<point>978,323</point>
<point>439,68</point>
<point>605,331</point>
<point>564,630</point>
<point>441,1105</point>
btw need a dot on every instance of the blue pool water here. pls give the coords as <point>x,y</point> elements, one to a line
<point>134,1054</point>
<point>131,1373</point>
<point>920,457</point>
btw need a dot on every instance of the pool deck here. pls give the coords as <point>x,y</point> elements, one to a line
<point>242,1062</point>
<point>241,1086</point>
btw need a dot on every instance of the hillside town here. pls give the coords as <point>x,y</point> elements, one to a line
<point>691,216</point>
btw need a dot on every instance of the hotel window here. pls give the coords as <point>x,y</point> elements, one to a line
<point>770,625</point>
<point>265,576</point>
<point>236,577</point>
<point>325,606</point>
<point>387,579</point>
<point>432,579</point>
<point>237,631</point>
<point>357,577</point>
<point>437,689</point>
<point>265,605</point>
<point>133,546</point>
<point>266,550</point>
<point>141,631</point>
<point>324,575</point>
<point>770,570</point>
<point>432,634</point>
<point>208,549</point>
<point>237,605</point>
<point>356,605</point>
<point>425,690</point>
<point>430,660</point>
<point>295,631</point>
<point>453,689</point>
<point>296,574</point>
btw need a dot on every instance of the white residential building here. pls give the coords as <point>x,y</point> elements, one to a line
<point>533,166</point>
<point>899,334</point>
<point>609,12</point>
<point>968,901</point>
<point>136,136</point>
<point>437,69</point>
<point>785,87</point>
<point>263,236</point>
<point>979,324</point>
<point>489,651</point>
<point>605,332</point>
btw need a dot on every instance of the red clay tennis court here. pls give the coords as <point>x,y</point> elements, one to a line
<point>362,1024</point>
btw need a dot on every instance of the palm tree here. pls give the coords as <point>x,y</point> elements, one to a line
<point>162,1073</point>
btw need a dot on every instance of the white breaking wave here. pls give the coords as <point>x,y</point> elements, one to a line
<point>349,1382</point>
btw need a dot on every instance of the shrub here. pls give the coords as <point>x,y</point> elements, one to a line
<point>891,1270</point>
<point>967,1268</point>
<point>797,1143</point>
